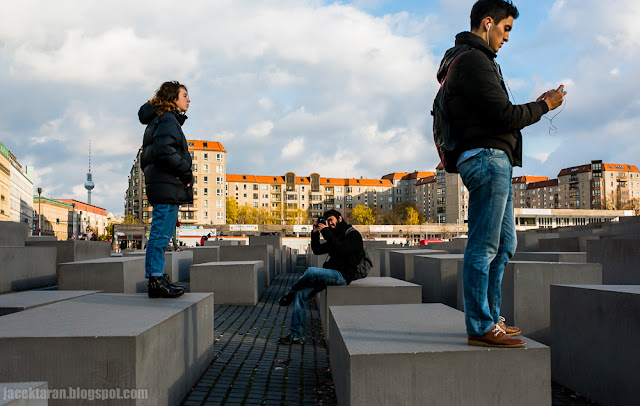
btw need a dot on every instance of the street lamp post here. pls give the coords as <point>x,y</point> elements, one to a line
<point>39,213</point>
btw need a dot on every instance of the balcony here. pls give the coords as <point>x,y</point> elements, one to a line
<point>573,179</point>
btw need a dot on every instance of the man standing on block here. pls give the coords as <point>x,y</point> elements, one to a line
<point>487,126</point>
<point>344,245</point>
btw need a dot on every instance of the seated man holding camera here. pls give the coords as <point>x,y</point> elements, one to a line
<point>344,245</point>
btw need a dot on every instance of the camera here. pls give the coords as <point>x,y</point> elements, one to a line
<point>322,220</point>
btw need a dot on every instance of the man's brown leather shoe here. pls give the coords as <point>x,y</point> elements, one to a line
<point>496,337</point>
<point>510,330</point>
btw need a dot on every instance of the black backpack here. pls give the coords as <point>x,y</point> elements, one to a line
<point>365,264</point>
<point>446,144</point>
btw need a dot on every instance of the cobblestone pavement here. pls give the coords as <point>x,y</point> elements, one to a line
<point>250,368</point>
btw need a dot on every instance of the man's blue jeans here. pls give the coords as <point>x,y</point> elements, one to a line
<point>313,280</point>
<point>163,224</point>
<point>492,236</point>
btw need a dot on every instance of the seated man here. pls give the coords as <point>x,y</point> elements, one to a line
<point>345,248</point>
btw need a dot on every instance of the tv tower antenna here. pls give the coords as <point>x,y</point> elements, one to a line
<point>89,185</point>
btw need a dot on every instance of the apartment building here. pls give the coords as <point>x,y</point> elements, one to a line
<point>543,194</point>
<point>598,186</point>
<point>86,216</point>
<point>426,200</point>
<point>5,182</point>
<point>16,189</point>
<point>519,184</point>
<point>282,195</point>
<point>209,181</point>
<point>57,217</point>
<point>404,185</point>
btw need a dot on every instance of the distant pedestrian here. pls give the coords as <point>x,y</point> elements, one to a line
<point>166,163</point>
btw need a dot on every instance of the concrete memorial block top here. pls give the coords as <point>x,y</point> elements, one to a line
<point>112,275</point>
<point>565,244</point>
<point>551,256</point>
<point>220,243</point>
<point>417,354</point>
<point>366,291</point>
<point>97,315</point>
<point>110,341</point>
<point>13,234</point>
<point>12,394</point>
<point>401,262</point>
<point>76,250</point>
<point>19,301</point>
<point>262,253</point>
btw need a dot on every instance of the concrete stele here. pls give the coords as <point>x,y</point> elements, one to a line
<point>417,354</point>
<point>366,291</point>
<point>111,275</point>
<point>29,299</point>
<point>238,283</point>
<point>112,341</point>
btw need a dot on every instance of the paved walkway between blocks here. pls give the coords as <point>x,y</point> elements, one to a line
<point>250,368</point>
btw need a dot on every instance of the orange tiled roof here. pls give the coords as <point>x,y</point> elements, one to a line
<point>620,167</point>
<point>395,175</point>
<point>528,179</point>
<point>418,175</point>
<point>426,180</point>
<point>575,169</point>
<point>85,207</point>
<point>211,145</point>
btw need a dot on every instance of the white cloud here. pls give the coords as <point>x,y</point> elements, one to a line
<point>293,149</point>
<point>260,130</point>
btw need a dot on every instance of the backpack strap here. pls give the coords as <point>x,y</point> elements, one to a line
<point>451,64</point>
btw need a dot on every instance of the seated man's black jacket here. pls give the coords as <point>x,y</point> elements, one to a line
<point>345,249</point>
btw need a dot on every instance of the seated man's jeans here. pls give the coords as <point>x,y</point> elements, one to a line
<point>492,236</point>
<point>163,224</point>
<point>313,280</point>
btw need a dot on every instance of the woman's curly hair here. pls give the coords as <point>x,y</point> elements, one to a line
<point>166,95</point>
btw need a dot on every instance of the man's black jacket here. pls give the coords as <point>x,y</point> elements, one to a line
<point>165,158</point>
<point>345,249</point>
<point>480,113</point>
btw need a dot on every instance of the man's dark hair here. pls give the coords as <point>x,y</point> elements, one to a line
<point>334,213</point>
<point>496,9</point>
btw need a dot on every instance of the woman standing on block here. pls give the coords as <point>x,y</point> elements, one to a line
<point>166,163</point>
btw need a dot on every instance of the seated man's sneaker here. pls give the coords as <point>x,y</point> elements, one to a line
<point>291,339</point>
<point>287,298</point>
<point>510,330</point>
<point>496,337</point>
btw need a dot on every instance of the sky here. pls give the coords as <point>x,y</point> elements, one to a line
<point>343,89</point>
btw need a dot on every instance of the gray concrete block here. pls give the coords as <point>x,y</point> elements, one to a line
<point>262,253</point>
<point>111,275</point>
<point>234,283</point>
<point>401,262</point>
<point>565,244</point>
<point>220,243</point>
<point>42,238</point>
<point>76,250</point>
<point>317,261</point>
<point>367,291</point>
<point>29,299</point>
<point>380,259</point>
<point>27,268</point>
<point>528,241</point>
<point>13,234</point>
<point>274,241</point>
<point>176,264</point>
<point>202,255</point>
<point>112,341</point>
<point>438,277</point>
<point>620,259</point>
<point>526,297</point>
<point>596,331</point>
<point>453,246</point>
<point>24,394</point>
<point>551,256</point>
<point>417,354</point>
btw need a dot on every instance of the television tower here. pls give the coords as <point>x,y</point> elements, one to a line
<point>89,185</point>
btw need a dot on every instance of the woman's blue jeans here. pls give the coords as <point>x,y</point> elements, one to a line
<point>492,236</point>
<point>313,280</point>
<point>163,224</point>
